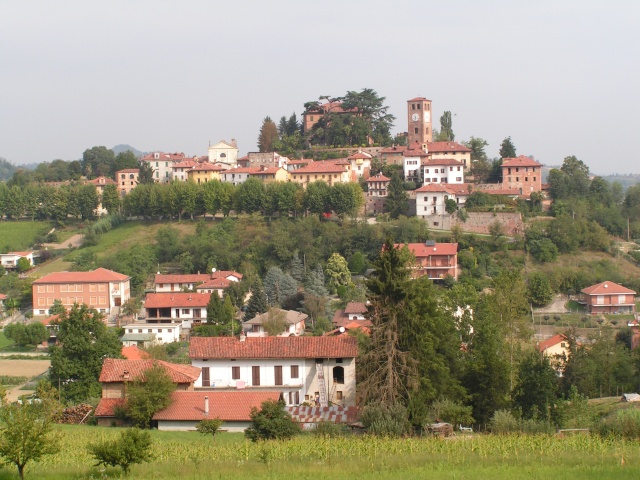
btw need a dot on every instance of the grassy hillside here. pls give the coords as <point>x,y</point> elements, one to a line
<point>21,235</point>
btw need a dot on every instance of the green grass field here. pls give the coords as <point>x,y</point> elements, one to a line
<point>20,235</point>
<point>4,341</point>
<point>189,455</point>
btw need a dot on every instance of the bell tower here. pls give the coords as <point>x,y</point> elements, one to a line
<point>419,121</point>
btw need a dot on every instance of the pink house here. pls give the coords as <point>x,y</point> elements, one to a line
<point>436,260</point>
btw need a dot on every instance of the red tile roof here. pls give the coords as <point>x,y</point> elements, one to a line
<point>129,170</point>
<point>114,370</point>
<point>520,161</point>
<point>321,167</point>
<point>363,325</point>
<point>207,167</point>
<point>421,250</point>
<point>436,188</point>
<point>19,254</point>
<point>214,283</point>
<point>176,299</point>
<point>272,347</point>
<point>102,181</point>
<point>355,307</point>
<point>607,288</point>
<point>196,278</point>
<point>357,155</point>
<point>107,406</point>
<point>184,164</point>
<point>417,99</point>
<point>227,405</point>
<point>441,147</point>
<point>49,320</point>
<point>2,296</point>
<point>442,161</point>
<point>394,149</point>
<point>99,275</point>
<point>378,178</point>
<point>134,353</point>
<point>415,150</point>
<point>550,342</point>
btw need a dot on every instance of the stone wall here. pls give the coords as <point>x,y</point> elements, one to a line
<point>478,222</point>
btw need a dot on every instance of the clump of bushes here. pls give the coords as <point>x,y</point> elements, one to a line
<point>504,422</point>
<point>386,421</point>
<point>620,424</point>
<point>330,430</point>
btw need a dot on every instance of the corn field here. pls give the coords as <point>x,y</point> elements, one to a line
<point>187,453</point>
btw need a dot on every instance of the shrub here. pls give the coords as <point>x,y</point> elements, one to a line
<point>330,429</point>
<point>622,424</point>
<point>271,422</point>
<point>451,412</point>
<point>503,422</point>
<point>209,427</point>
<point>132,447</point>
<point>386,421</point>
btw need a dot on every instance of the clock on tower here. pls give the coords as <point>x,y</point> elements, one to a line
<point>419,121</point>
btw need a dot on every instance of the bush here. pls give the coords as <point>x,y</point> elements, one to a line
<point>503,422</point>
<point>209,427</point>
<point>271,422</point>
<point>132,447</point>
<point>330,429</point>
<point>386,421</point>
<point>451,412</point>
<point>621,424</point>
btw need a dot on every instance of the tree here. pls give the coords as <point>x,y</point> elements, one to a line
<point>275,323</point>
<point>507,149</point>
<point>477,145</point>
<point>23,264</point>
<point>209,427</point>
<point>268,135</point>
<point>314,282</point>
<point>397,201</point>
<point>271,422</point>
<point>337,270</point>
<point>123,161</point>
<point>214,308</point>
<point>145,175</point>
<point>278,286</point>
<point>57,308</point>
<point>132,447</point>
<point>446,130</point>
<point>297,267</point>
<point>111,199</point>
<point>357,263</point>
<point>84,342</point>
<point>257,303</point>
<point>26,433</point>
<point>30,334</point>
<point>450,206</point>
<point>147,394</point>
<point>540,290</point>
<point>97,161</point>
<point>535,390</point>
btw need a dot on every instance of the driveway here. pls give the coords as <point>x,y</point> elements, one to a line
<point>75,241</point>
<point>556,306</point>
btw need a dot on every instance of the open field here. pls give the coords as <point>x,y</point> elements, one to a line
<point>21,235</point>
<point>188,455</point>
<point>597,262</point>
<point>4,341</point>
<point>23,368</point>
<point>129,233</point>
<point>57,265</point>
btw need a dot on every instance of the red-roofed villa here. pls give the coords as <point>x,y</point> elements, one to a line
<point>436,260</point>
<point>608,297</point>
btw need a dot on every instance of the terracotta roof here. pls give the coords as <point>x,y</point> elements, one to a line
<point>334,414</point>
<point>447,147</point>
<point>364,325</point>
<point>299,162</point>
<point>421,250</point>
<point>417,99</point>
<point>321,167</point>
<point>114,370</point>
<point>196,278</point>
<point>394,149</point>
<point>99,275</point>
<point>607,288</point>
<point>442,161</point>
<point>49,320</point>
<point>19,254</point>
<point>355,307</point>
<point>129,170</point>
<point>214,283</point>
<point>207,167</point>
<point>2,296</point>
<point>184,164</point>
<point>106,407</point>
<point>415,150</point>
<point>378,178</point>
<point>227,405</point>
<point>247,170</point>
<point>102,181</point>
<point>549,342</point>
<point>461,188</point>
<point>272,347</point>
<point>291,318</point>
<point>163,157</point>
<point>357,155</point>
<point>134,353</point>
<point>176,299</point>
<point>436,188</point>
<point>520,161</point>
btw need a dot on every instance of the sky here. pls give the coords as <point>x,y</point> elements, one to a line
<point>559,77</point>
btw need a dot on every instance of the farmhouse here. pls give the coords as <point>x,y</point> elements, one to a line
<point>303,369</point>
<point>293,323</point>
<point>187,308</point>
<point>435,260</point>
<point>10,260</point>
<point>179,283</point>
<point>101,289</point>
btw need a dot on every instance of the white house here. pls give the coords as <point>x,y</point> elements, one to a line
<point>162,163</point>
<point>304,369</point>
<point>187,308</point>
<point>216,280</point>
<point>413,158</point>
<point>10,260</point>
<point>431,199</point>
<point>293,323</point>
<point>452,150</point>
<point>442,170</point>
<point>360,163</point>
<point>163,332</point>
<point>236,176</point>
<point>224,152</point>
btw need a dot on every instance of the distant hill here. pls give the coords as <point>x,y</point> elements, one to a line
<point>123,148</point>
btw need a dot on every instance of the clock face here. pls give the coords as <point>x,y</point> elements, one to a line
<point>415,117</point>
<point>426,116</point>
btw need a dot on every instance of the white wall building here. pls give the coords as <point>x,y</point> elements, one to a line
<point>223,152</point>
<point>431,199</point>
<point>442,170</point>
<point>164,332</point>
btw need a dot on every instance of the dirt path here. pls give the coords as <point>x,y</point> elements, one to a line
<point>22,368</point>
<point>75,241</point>
<point>557,306</point>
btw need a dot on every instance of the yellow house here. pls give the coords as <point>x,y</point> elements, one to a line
<point>204,172</point>
<point>331,172</point>
<point>270,174</point>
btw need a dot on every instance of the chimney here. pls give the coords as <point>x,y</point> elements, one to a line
<point>234,143</point>
<point>206,405</point>
<point>242,337</point>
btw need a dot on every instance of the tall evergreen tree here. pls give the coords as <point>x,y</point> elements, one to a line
<point>268,135</point>
<point>214,308</point>
<point>397,201</point>
<point>297,267</point>
<point>507,149</point>
<point>314,282</point>
<point>446,128</point>
<point>257,303</point>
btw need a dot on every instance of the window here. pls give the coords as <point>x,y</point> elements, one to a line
<point>235,373</point>
<point>93,300</point>
<point>93,287</point>
<point>600,300</point>
<point>413,106</point>
<point>415,130</point>
<point>621,298</point>
<point>295,373</point>
<point>339,395</point>
<point>338,375</point>
<point>49,288</point>
<point>205,377</point>
<point>526,179</point>
<point>255,375</point>
<point>151,330</point>
<point>41,289</point>
<point>277,373</point>
<point>185,311</point>
<point>517,179</point>
<point>534,179</point>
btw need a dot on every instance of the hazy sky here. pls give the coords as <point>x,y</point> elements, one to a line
<point>560,77</point>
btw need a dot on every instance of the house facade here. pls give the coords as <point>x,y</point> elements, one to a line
<point>204,172</point>
<point>432,199</point>
<point>224,152</point>
<point>100,289</point>
<point>217,280</point>
<point>413,157</point>
<point>127,180</point>
<point>10,260</point>
<point>189,309</point>
<point>330,172</point>
<point>442,170</point>
<point>162,333</point>
<point>451,150</point>
<point>608,297</point>
<point>523,174</point>
<point>435,260</point>
<point>303,369</point>
<point>377,191</point>
<point>293,323</point>
<point>162,163</point>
